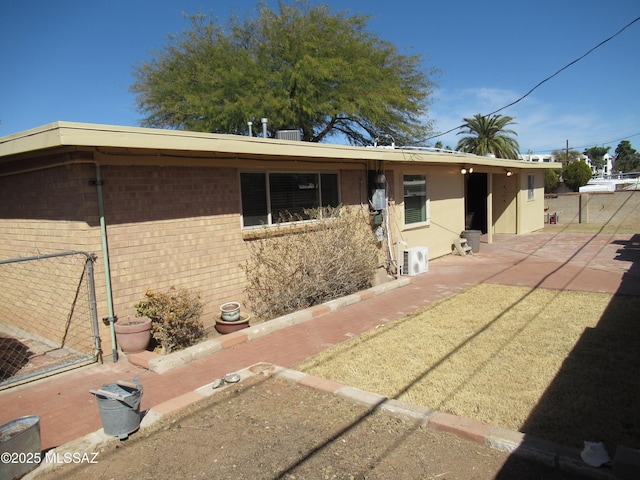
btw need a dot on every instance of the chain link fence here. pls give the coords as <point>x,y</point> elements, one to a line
<point>48,317</point>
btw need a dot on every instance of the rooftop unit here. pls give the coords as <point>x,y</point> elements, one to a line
<point>294,135</point>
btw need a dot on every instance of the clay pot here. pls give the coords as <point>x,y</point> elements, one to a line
<point>224,326</point>
<point>133,334</point>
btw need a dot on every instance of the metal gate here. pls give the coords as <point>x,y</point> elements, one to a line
<point>48,317</point>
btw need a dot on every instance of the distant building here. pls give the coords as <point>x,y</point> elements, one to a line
<point>606,171</point>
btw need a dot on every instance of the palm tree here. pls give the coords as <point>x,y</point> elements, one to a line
<point>488,136</point>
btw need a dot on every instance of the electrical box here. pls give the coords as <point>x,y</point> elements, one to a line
<point>379,199</point>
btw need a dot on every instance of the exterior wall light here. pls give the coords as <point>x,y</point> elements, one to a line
<point>508,172</point>
<point>465,170</point>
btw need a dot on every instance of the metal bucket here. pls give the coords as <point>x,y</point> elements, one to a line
<point>119,405</point>
<point>20,439</point>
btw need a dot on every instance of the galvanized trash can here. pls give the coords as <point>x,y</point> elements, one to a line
<point>119,405</point>
<point>20,444</point>
<point>473,239</point>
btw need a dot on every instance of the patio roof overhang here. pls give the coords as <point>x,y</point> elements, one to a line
<point>80,142</point>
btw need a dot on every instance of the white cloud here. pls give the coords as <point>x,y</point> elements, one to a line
<point>540,126</point>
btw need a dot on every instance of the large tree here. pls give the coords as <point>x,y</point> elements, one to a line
<point>627,159</point>
<point>596,155</point>
<point>565,156</point>
<point>301,67</point>
<point>488,136</point>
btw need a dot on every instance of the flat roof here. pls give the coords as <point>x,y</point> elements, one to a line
<point>71,134</point>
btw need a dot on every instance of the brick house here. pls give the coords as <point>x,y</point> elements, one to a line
<point>177,208</point>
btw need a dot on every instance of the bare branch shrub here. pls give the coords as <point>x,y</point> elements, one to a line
<point>175,316</point>
<point>295,266</point>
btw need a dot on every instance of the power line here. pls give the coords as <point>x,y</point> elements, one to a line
<point>592,144</point>
<point>546,79</point>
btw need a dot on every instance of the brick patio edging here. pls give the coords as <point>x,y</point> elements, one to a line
<point>518,444</point>
<point>164,363</point>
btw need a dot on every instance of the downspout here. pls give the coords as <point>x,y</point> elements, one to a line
<point>107,270</point>
<point>490,207</point>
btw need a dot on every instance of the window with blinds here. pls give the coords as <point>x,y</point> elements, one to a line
<point>272,197</point>
<point>415,198</point>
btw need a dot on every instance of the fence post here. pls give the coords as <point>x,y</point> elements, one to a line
<point>583,208</point>
<point>93,306</point>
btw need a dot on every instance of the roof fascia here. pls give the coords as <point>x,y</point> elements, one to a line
<point>70,134</point>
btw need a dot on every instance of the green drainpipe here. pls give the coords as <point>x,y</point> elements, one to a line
<point>107,271</point>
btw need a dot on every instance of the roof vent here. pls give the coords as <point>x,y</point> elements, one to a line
<point>294,135</point>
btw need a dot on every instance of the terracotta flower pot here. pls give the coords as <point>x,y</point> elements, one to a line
<point>133,334</point>
<point>223,326</point>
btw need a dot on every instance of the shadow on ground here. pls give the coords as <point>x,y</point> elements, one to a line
<point>595,393</point>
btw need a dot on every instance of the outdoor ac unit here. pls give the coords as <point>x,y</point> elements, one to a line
<point>416,261</point>
<point>295,135</point>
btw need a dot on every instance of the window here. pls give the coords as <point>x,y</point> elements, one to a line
<point>415,199</point>
<point>269,197</point>
<point>531,187</point>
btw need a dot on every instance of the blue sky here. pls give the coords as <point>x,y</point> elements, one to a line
<point>72,60</point>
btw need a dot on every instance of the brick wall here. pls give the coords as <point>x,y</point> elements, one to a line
<point>174,226</point>
<point>166,226</point>
<point>45,212</point>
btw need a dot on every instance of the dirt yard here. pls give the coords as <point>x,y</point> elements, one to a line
<point>272,428</point>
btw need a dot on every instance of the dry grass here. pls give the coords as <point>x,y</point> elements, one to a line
<point>493,353</point>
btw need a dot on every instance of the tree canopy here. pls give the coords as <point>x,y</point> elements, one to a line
<point>627,158</point>
<point>596,155</point>
<point>551,181</point>
<point>576,174</point>
<point>565,156</point>
<point>301,67</point>
<point>489,136</point>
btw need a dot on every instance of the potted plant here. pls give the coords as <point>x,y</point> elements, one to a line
<point>133,334</point>
<point>230,311</point>
<point>175,317</point>
<point>231,319</point>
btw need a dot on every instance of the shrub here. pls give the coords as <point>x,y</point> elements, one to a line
<point>175,316</point>
<point>298,265</point>
<point>576,174</point>
<point>551,180</point>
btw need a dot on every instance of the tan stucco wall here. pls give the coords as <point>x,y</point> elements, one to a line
<point>505,205</point>
<point>531,216</point>
<point>445,190</point>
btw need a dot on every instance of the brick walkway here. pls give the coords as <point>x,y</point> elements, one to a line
<point>600,263</point>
